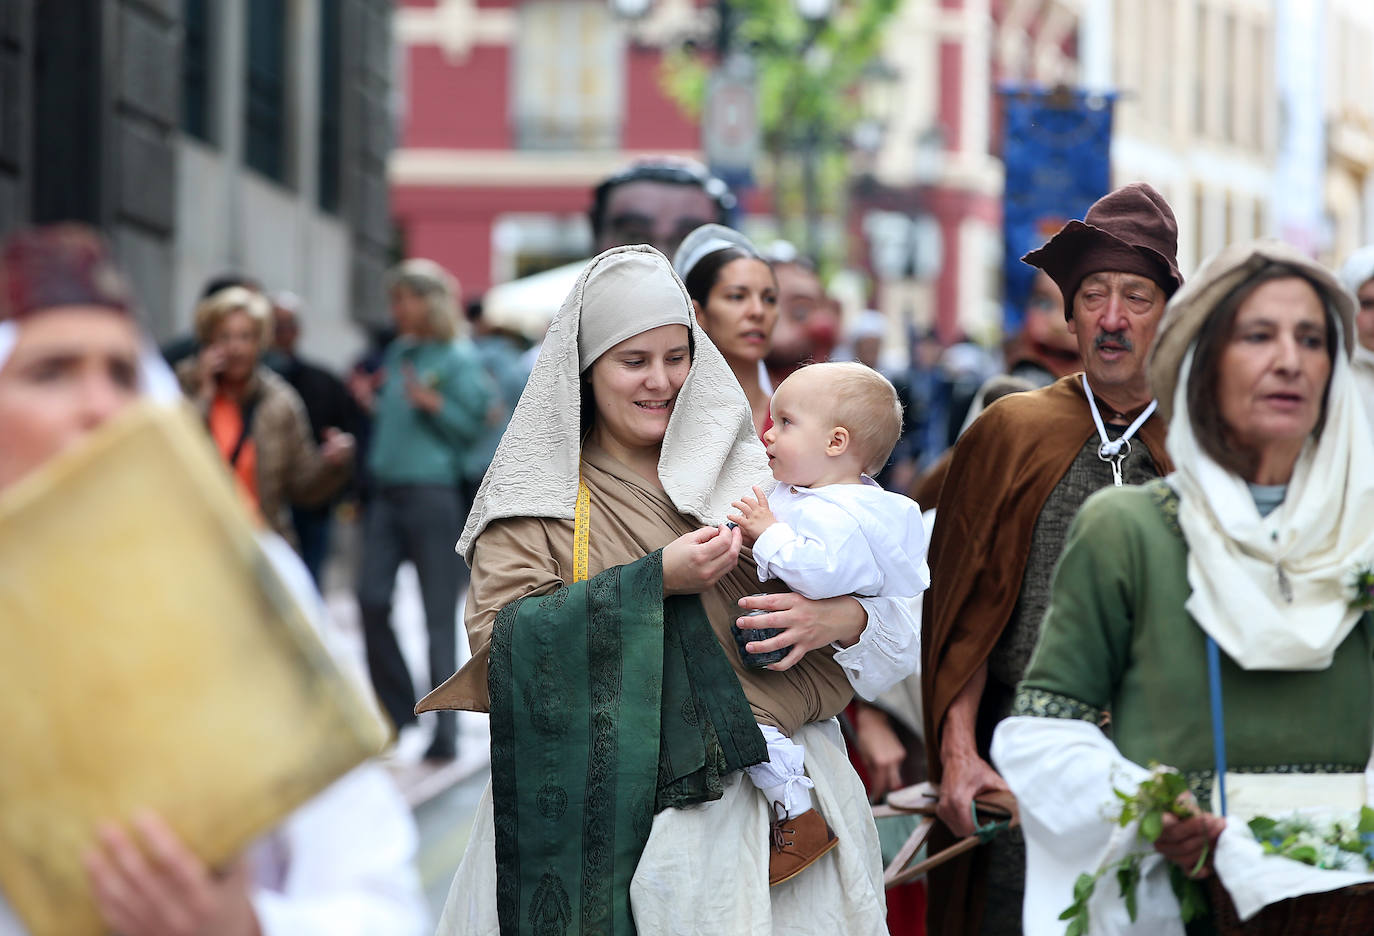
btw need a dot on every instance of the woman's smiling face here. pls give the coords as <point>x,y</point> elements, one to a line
<point>636,382</point>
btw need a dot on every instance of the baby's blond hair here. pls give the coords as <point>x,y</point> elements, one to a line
<point>864,402</point>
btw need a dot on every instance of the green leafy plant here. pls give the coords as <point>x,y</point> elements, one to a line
<point>809,78</point>
<point>1159,794</point>
<point>1363,599</point>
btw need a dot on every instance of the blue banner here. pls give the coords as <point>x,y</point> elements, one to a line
<point>1057,153</point>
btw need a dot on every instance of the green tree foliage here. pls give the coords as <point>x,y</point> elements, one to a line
<point>808,80</point>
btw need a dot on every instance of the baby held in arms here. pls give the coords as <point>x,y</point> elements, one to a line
<point>828,528</point>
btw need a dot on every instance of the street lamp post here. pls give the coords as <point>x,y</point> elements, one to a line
<point>725,28</point>
<point>811,191</point>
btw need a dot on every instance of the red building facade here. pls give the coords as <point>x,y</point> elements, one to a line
<point>512,113</point>
<point>514,109</point>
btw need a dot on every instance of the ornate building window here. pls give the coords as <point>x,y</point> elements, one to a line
<point>567,76</point>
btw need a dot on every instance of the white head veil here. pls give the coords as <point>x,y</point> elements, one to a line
<point>1358,268</point>
<point>1274,591</point>
<point>705,241</point>
<point>710,453</point>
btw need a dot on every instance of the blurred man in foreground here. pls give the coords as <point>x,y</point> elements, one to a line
<point>72,358</point>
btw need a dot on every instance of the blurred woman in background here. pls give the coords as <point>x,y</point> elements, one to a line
<point>735,295</point>
<point>428,413</point>
<point>256,419</point>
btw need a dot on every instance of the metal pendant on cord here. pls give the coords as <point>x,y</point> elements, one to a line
<point>1114,451</point>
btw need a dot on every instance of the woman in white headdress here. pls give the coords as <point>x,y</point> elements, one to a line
<point>735,295</point>
<point>604,584</point>
<point>1358,275</point>
<point>1216,613</point>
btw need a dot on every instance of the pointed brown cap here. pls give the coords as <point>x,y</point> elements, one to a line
<point>1130,230</point>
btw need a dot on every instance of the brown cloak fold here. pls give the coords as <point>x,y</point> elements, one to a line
<point>1000,474</point>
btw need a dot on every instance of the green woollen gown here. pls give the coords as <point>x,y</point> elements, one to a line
<point>1117,639</point>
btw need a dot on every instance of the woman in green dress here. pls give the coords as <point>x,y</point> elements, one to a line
<point>1247,553</point>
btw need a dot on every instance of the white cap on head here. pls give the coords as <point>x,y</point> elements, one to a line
<point>1358,268</point>
<point>9,334</point>
<point>868,324</point>
<point>705,241</point>
<point>628,293</point>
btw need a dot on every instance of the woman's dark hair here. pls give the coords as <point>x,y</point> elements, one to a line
<point>588,411</point>
<point>1212,338</point>
<point>701,279</point>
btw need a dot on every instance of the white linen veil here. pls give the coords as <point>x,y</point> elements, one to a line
<point>710,452</point>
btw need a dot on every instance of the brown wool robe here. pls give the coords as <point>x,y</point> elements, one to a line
<point>1002,471</point>
<point>630,518</point>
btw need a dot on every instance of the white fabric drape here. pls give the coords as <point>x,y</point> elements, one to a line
<point>1362,366</point>
<point>711,454</point>
<point>1318,537</point>
<point>704,870</point>
<point>1063,772</point>
<point>1254,880</point>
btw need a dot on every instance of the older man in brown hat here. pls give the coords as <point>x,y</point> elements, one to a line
<point>1016,479</point>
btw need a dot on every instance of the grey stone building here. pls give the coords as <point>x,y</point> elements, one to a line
<point>204,136</point>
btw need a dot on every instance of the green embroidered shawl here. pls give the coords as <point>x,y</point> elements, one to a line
<point>609,703</point>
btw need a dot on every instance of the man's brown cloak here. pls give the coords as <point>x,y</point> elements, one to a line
<point>1002,471</point>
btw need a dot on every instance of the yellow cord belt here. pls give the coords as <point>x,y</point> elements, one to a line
<point>581,530</point>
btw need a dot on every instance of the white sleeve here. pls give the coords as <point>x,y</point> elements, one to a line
<point>351,865</point>
<point>889,648</point>
<point>822,553</point>
<point>1063,771</point>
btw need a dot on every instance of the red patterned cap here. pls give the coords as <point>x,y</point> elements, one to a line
<point>59,265</point>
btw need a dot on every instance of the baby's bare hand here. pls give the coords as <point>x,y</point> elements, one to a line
<point>753,517</point>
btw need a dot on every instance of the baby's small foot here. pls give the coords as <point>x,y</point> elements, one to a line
<point>797,843</point>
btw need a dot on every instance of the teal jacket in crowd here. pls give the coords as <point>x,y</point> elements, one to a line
<point>410,446</point>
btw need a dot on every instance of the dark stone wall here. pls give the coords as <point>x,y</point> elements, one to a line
<point>16,48</point>
<point>96,105</point>
<point>66,113</point>
<point>143,61</point>
<point>90,101</point>
<point>367,137</point>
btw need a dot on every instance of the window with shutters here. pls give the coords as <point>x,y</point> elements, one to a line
<point>265,123</point>
<point>196,70</point>
<point>331,105</point>
<point>567,76</point>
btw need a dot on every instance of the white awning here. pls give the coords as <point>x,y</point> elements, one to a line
<point>527,305</point>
